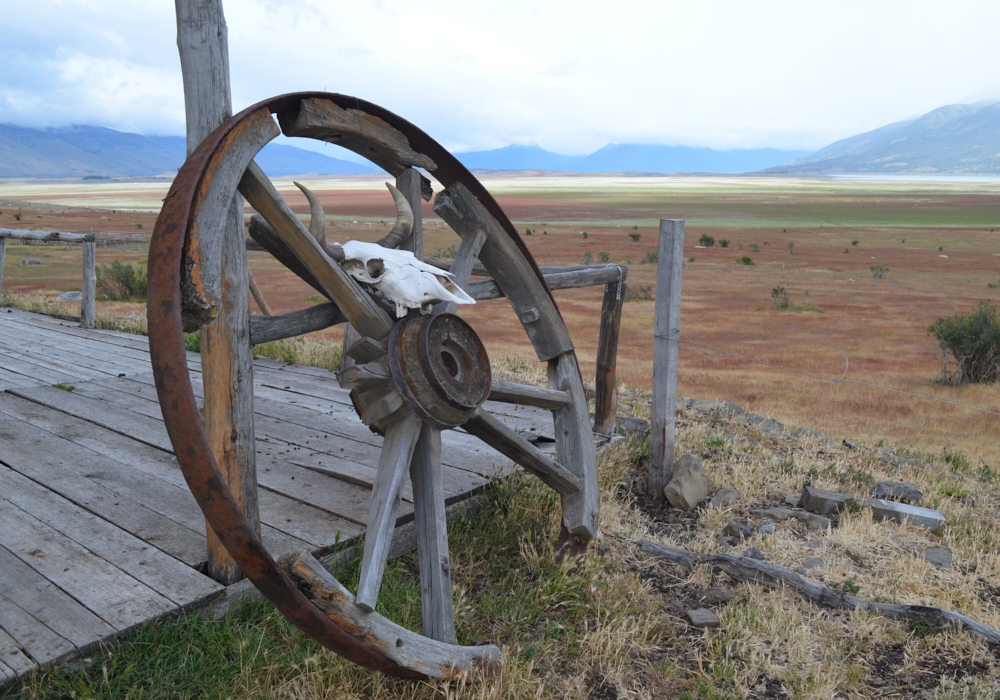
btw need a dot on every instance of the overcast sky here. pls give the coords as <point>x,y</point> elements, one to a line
<point>478,74</point>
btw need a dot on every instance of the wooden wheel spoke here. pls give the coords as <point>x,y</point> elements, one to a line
<point>397,450</point>
<point>527,395</point>
<point>495,433</point>
<point>358,306</point>
<point>432,537</point>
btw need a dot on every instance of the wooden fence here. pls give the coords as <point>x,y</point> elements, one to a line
<point>89,285</point>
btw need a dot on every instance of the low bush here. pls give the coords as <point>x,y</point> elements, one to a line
<point>970,346</point>
<point>745,260</point>
<point>879,271</point>
<point>706,240</point>
<point>121,281</point>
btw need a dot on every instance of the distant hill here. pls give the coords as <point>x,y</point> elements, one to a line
<point>629,158</point>
<point>952,140</point>
<point>78,151</point>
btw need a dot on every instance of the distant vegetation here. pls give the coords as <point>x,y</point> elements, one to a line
<point>970,346</point>
<point>122,282</point>
<point>706,240</point>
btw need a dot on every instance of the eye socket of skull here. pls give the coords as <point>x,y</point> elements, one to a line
<point>375,268</point>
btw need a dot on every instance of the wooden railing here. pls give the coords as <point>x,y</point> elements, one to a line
<point>89,286</point>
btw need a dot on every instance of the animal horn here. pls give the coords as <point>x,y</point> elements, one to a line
<point>317,220</point>
<point>404,220</point>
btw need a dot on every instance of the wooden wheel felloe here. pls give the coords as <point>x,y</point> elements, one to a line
<point>410,378</point>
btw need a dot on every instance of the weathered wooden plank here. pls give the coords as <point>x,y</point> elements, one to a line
<point>106,488</point>
<point>606,401</point>
<point>258,297</point>
<point>511,271</point>
<point>527,395</point>
<point>36,367</point>
<point>117,598</point>
<point>58,328</point>
<point>264,329</point>
<point>465,260</point>
<point>76,358</point>
<point>362,310</point>
<point>88,286</point>
<point>437,614</point>
<point>587,277</point>
<point>12,657</point>
<point>575,445</point>
<point>505,440</point>
<point>356,131</point>
<point>21,235</point>
<point>135,554</point>
<point>40,643</point>
<point>397,450</point>
<point>666,336</point>
<point>49,604</point>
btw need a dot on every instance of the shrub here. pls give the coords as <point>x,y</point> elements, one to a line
<point>527,232</point>
<point>706,240</point>
<point>635,236</point>
<point>724,242</point>
<point>970,346</point>
<point>879,271</point>
<point>588,258</point>
<point>121,281</point>
<point>651,257</point>
<point>584,234</point>
<point>604,257</point>
<point>791,248</point>
<point>17,217</point>
<point>641,293</point>
<point>745,260</point>
<point>779,297</point>
<point>855,241</point>
<point>754,248</point>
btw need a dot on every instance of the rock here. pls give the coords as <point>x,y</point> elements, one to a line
<point>768,528</point>
<point>792,499</point>
<point>827,502</point>
<point>812,521</point>
<point>898,491</point>
<point>703,617</point>
<point>31,261</point>
<point>876,682</point>
<point>801,571</point>
<point>753,553</point>
<point>724,543</point>
<point>814,563</point>
<point>70,296</point>
<point>819,544</point>
<point>738,531</point>
<point>725,497</point>
<point>939,556</point>
<point>689,486</point>
<point>715,596</point>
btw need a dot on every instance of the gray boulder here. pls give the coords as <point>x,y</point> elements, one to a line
<point>898,491</point>
<point>689,487</point>
<point>31,261</point>
<point>939,556</point>
<point>725,497</point>
<point>70,296</point>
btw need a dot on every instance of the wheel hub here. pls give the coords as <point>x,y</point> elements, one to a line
<point>440,367</point>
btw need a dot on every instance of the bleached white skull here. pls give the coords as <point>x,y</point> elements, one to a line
<point>401,278</point>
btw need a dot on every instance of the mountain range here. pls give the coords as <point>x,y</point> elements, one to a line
<point>630,158</point>
<point>82,151</point>
<point>960,139</point>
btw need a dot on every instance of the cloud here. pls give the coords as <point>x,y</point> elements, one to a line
<point>570,76</point>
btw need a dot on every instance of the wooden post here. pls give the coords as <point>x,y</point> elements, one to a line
<point>666,336</point>
<point>226,356</point>
<point>408,182</point>
<point>606,403</point>
<point>3,258</point>
<point>89,286</point>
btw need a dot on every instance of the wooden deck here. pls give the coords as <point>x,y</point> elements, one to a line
<point>99,531</point>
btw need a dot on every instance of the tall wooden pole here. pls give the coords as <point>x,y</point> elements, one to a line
<point>606,402</point>
<point>3,258</point>
<point>408,182</point>
<point>666,337</point>
<point>89,286</point>
<point>226,356</point>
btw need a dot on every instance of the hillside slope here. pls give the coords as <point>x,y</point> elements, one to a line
<point>79,151</point>
<point>954,140</point>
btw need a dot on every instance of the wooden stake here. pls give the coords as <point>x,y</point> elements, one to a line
<point>3,257</point>
<point>227,360</point>
<point>257,296</point>
<point>89,286</point>
<point>666,336</point>
<point>408,182</point>
<point>606,402</point>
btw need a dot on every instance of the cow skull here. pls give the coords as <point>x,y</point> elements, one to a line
<point>401,278</point>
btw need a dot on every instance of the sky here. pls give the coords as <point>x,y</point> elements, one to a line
<point>479,74</point>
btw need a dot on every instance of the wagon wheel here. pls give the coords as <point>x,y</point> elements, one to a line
<point>411,379</point>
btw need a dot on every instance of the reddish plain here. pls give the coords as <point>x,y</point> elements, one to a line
<point>839,307</point>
